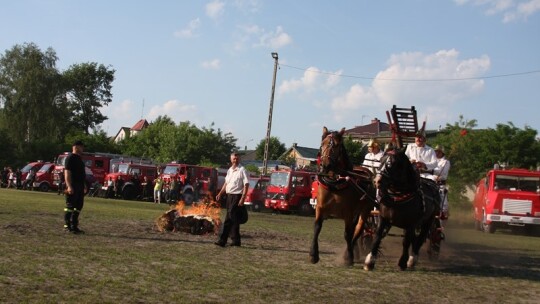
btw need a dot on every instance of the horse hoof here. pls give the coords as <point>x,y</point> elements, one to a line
<point>412,261</point>
<point>314,260</point>
<point>369,267</point>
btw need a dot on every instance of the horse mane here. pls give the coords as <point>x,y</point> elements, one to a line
<point>402,173</point>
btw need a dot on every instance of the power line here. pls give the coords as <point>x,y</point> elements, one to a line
<point>413,80</point>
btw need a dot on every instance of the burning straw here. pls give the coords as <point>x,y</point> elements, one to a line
<point>200,218</point>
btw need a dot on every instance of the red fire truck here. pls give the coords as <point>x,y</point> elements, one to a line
<point>44,178</point>
<point>99,163</point>
<point>290,191</point>
<point>256,193</point>
<point>507,198</point>
<point>194,178</point>
<point>133,175</point>
<point>31,166</point>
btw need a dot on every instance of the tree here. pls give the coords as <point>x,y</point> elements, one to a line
<point>164,141</point>
<point>32,106</point>
<point>88,88</point>
<point>472,152</point>
<point>355,150</point>
<point>275,148</point>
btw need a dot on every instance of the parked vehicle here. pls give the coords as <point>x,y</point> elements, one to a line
<point>31,166</point>
<point>203,180</point>
<point>507,198</point>
<point>256,193</point>
<point>44,178</point>
<point>99,163</point>
<point>133,175</point>
<point>314,191</point>
<point>290,191</point>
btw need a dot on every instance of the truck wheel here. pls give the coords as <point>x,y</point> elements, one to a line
<point>256,207</point>
<point>305,208</point>
<point>129,193</point>
<point>477,225</point>
<point>488,228</point>
<point>44,187</point>
<point>188,198</point>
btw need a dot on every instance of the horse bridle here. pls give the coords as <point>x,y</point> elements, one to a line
<point>328,153</point>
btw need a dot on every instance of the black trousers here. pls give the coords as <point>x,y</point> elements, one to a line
<point>231,225</point>
<point>74,205</point>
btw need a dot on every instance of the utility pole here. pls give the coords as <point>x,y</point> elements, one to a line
<point>269,127</point>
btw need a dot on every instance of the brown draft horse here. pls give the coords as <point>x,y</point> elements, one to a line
<point>343,193</point>
<point>407,202</point>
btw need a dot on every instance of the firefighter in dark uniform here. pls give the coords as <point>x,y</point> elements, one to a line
<point>75,177</point>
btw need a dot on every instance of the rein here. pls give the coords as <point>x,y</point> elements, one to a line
<point>338,182</point>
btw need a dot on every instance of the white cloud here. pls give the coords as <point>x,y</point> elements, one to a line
<point>511,10</point>
<point>274,40</point>
<point>127,113</point>
<point>213,64</point>
<point>312,79</point>
<point>190,30</point>
<point>215,9</point>
<point>414,79</point>
<point>174,109</point>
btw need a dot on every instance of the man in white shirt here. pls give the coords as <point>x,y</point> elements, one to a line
<point>372,159</point>
<point>236,187</point>
<point>421,155</point>
<point>440,175</point>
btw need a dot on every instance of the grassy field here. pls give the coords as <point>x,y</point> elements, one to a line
<point>123,258</point>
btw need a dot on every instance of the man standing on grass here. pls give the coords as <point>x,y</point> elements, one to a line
<point>75,177</point>
<point>236,187</point>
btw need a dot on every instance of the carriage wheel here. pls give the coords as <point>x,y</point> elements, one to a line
<point>435,241</point>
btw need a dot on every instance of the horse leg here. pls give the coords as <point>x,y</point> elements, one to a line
<point>358,233</point>
<point>317,226</point>
<point>349,237</point>
<point>420,240</point>
<point>369,263</point>
<point>407,240</point>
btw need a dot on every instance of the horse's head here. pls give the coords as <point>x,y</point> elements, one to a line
<point>333,156</point>
<point>398,171</point>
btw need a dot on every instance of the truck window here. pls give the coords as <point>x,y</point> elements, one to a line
<point>99,163</point>
<point>89,163</point>
<point>135,171</point>
<point>279,179</point>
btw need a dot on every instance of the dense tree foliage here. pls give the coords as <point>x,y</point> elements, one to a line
<point>32,107</point>
<point>275,148</point>
<point>164,141</point>
<point>355,150</point>
<point>88,88</point>
<point>472,152</point>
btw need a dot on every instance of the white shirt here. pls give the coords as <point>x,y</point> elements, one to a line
<point>423,154</point>
<point>373,161</point>
<point>235,180</point>
<point>442,169</point>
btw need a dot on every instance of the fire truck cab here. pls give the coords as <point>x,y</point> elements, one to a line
<point>31,166</point>
<point>203,180</point>
<point>44,178</point>
<point>290,191</point>
<point>507,198</point>
<point>133,176</point>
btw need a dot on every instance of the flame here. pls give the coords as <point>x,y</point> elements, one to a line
<point>207,208</point>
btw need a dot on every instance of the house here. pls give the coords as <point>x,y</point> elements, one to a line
<point>126,132</point>
<point>375,129</point>
<point>304,156</point>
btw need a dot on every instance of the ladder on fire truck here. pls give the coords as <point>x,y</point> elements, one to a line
<point>403,124</point>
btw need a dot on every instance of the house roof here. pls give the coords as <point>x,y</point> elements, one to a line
<point>304,152</point>
<point>141,124</point>
<point>373,129</point>
<point>126,132</point>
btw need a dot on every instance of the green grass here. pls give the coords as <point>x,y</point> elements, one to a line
<point>123,258</point>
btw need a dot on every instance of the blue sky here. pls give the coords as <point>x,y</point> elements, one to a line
<point>342,63</point>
